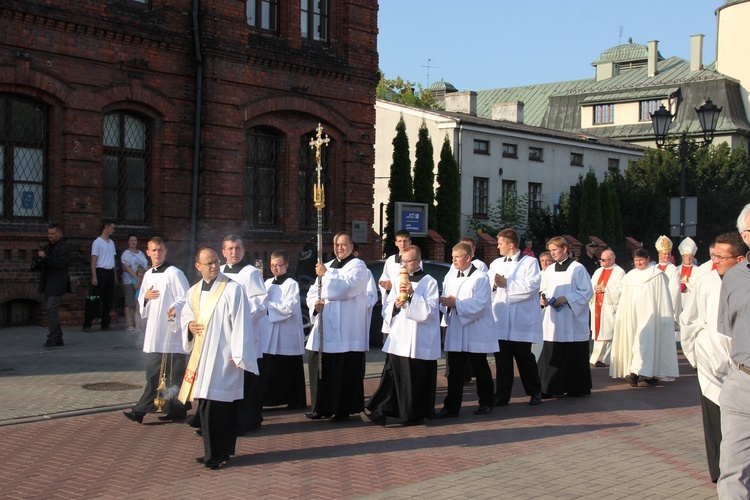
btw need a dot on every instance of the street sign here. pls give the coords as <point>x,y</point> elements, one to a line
<point>691,216</point>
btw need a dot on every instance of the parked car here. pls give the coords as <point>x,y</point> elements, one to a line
<point>434,268</point>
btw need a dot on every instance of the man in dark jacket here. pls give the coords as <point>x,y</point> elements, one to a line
<point>53,261</point>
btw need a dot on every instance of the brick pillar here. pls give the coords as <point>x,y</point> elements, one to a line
<point>434,246</point>
<point>487,247</point>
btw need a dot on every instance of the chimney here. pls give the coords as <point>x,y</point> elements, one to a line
<point>462,102</point>
<point>696,52</point>
<point>511,111</point>
<point>606,70</point>
<point>653,52</point>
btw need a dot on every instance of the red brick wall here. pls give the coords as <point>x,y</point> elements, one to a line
<point>84,59</point>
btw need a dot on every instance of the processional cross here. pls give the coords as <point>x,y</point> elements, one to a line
<point>319,199</point>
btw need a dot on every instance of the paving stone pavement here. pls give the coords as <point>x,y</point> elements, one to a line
<point>62,441</point>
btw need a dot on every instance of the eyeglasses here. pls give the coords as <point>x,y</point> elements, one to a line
<point>721,258</point>
<point>276,266</point>
<point>408,261</point>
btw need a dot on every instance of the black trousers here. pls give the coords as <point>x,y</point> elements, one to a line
<point>527,369</point>
<point>178,364</point>
<point>106,287</point>
<point>53,319</point>
<point>456,369</point>
<point>218,428</point>
<point>712,435</point>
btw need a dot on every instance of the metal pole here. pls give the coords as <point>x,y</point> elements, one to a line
<point>683,167</point>
<point>319,200</point>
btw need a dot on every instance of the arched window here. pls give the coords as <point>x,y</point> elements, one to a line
<point>23,158</point>
<point>127,167</point>
<point>261,167</point>
<point>308,214</point>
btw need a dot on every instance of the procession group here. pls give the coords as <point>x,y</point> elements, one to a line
<point>232,343</point>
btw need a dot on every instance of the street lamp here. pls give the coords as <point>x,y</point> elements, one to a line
<point>708,116</point>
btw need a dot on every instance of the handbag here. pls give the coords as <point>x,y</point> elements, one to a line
<point>93,303</point>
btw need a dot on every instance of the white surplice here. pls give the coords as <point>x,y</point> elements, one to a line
<point>162,335</point>
<point>252,282</point>
<point>344,292</point>
<point>284,335</point>
<point>571,322</point>
<point>704,347</point>
<point>515,308</point>
<point>228,348</point>
<point>469,324</point>
<point>415,329</point>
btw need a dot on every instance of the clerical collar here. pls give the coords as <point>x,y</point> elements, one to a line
<point>162,267</point>
<point>416,276</point>
<point>206,285</point>
<point>233,269</point>
<point>563,266</point>
<point>515,257</point>
<point>467,272</point>
<point>339,263</point>
<point>278,280</point>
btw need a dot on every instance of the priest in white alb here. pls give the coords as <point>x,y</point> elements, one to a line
<point>603,306</point>
<point>664,248</point>
<point>643,348</point>
<point>217,327</point>
<point>687,272</point>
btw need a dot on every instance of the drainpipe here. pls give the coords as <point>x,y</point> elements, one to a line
<point>197,131</point>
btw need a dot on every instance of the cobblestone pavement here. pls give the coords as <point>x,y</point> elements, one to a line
<point>621,442</point>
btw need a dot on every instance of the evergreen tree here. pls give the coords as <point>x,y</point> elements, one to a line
<point>614,200</point>
<point>608,215</point>
<point>590,216</point>
<point>400,183</point>
<point>424,173</point>
<point>448,197</point>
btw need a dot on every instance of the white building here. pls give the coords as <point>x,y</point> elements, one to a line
<point>495,155</point>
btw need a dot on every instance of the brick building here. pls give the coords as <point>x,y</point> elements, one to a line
<point>185,119</point>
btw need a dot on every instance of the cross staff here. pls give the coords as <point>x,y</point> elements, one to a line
<point>319,199</point>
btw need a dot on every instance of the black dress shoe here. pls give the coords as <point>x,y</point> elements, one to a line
<point>444,413</point>
<point>216,463</point>
<point>599,364</point>
<point>135,416</point>
<point>314,415</point>
<point>373,418</point>
<point>651,381</point>
<point>632,379</point>
<point>536,399</point>
<point>340,417</point>
<point>169,417</point>
<point>200,460</point>
<point>51,343</point>
<point>413,421</point>
<point>500,402</point>
<point>544,395</point>
<point>483,410</point>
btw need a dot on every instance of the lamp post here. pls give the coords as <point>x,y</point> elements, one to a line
<point>661,119</point>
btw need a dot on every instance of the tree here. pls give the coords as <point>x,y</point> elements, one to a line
<point>510,211</point>
<point>590,215</point>
<point>400,183</point>
<point>608,215</point>
<point>614,231</point>
<point>448,197</point>
<point>424,173</point>
<point>404,92</point>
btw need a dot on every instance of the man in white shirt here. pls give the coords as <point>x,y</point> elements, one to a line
<point>103,275</point>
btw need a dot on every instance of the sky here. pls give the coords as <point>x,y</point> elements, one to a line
<point>486,44</point>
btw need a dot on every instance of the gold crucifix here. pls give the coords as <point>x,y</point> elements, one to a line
<point>317,144</point>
